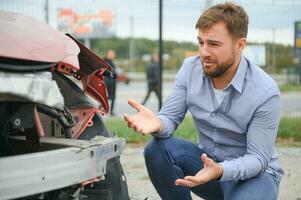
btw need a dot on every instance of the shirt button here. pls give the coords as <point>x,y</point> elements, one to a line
<point>216,145</point>
<point>213,114</point>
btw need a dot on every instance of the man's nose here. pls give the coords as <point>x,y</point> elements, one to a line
<point>204,51</point>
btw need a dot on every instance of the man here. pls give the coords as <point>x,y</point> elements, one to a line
<point>111,79</point>
<point>152,74</point>
<point>236,108</point>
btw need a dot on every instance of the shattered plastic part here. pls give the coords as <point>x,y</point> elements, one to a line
<point>32,87</point>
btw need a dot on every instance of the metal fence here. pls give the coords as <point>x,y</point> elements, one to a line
<point>136,23</point>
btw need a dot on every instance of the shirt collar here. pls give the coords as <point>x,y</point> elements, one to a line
<point>238,79</point>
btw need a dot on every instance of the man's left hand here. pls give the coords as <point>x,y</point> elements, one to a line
<point>211,171</point>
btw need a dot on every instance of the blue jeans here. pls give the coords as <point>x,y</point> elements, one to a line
<point>172,158</point>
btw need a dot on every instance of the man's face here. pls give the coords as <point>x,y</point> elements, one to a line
<point>218,50</point>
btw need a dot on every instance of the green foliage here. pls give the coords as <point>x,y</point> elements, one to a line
<point>278,56</point>
<point>290,87</point>
<point>119,127</point>
<point>187,130</point>
<point>120,46</point>
<point>175,50</point>
<point>290,127</point>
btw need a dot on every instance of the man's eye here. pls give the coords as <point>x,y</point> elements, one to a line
<point>201,43</point>
<point>214,44</point>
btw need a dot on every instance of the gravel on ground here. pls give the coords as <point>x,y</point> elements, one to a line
<point>140,186</point>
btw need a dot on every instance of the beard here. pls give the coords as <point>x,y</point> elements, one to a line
<point>220,69</point>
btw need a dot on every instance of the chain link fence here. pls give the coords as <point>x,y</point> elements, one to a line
<point>131,28</point>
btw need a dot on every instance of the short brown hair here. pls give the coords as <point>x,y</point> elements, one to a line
<point>234,16</point>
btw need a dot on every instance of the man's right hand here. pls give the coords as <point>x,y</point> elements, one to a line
<point>145,121</point>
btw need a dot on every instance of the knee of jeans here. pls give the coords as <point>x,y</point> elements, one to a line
<point>155,148</point>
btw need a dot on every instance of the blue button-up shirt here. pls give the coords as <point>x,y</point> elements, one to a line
<point>240,132</point>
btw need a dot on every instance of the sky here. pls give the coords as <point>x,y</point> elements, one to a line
<point>270,20</point>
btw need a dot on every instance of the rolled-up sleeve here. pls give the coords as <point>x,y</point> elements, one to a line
<point>261,136</point>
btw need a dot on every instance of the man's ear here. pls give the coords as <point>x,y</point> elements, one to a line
<point>241,44</point>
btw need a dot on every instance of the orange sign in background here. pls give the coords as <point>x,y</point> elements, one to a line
<point>86,25</point>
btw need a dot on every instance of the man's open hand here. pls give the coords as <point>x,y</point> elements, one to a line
<point>145,121</point>
<point>211,171</point>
